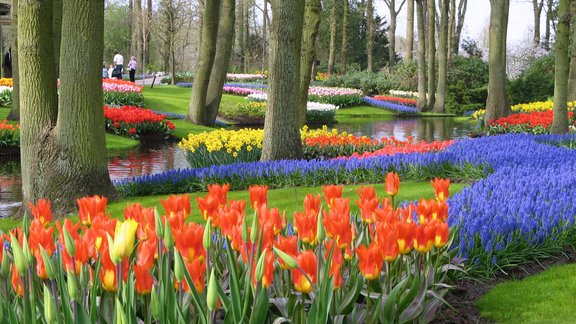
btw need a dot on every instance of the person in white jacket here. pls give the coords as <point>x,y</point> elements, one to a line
<point>119,62</point>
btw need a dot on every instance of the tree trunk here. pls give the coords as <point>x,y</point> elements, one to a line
<point>537,7</point>
<point>57,33</point>
<point>496,103</point>
<point>312,14</point>
<point>196,113</point>
<point>460,24</point>
<point>431,43</point>
<point>265,35</point>
<point>392,35</point>
<point>333,30</point>
<point>561,67</point>
<point>549,19</point>
<point>224,43</point>
<point>442,57</point>
<point>281,133</point>
<point>63,151</point>
<point>136,41</point>
<point>15,109</point>
<point>130,22</point>
<point>409,49</point>
<point>345,25</point>
<point>572,74</point>
<point>421,104</point>
<point>370,35</point>
<point>147,36</point>
<point>451,28</point>
<point>245,35</point>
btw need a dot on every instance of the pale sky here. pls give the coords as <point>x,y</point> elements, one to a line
<point>478,16</point>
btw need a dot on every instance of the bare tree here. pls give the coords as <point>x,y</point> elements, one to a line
<point>345,23</point>
<point>392,30</point>
<point>173,14</point>
<point>421,104</point>
<point>312,15</point>
<point>537,7</point>
<point>409,49</point>
<point>370,34</point>
<point>333,30</point>
<point>455,25</point>
<point>549,22</point>
<point>442,57</point>
<point>431,46</point>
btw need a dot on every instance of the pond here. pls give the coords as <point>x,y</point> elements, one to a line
<point>150,159</point>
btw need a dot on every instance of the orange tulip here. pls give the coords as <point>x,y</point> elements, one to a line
<point>177,204</point>
<point>90,208</point>
<point>271,217</point>
<point>147,252</point>
<point>336,264</point>
<point>209,208</point>
<point>387,240</point>
<point>368,203</point>
<point>268,274</point>
<point>424,210</point>
<point>108,273</point>
<point>307,263</point>
<point>17,282</point>
<point>144,280</point>
<point>338,227</point>
<point>312,203</point>
<point>219,192</point>
<point>258,195</point>
<point>229,218</point>
<point>442,189</point>
<point>306,225</point>
<point>439,211</point>
<point>40,237</point>
<point>288,245</point>
<point>331,192</point>
<point>370,261</point>
<point>189,242</point>
<point>392,183</point>
<point>441,234</point>
<point>424,236</point>
<point>197,270</point>
<point>405,237</point>
<point>40,267</point>
<point>41,211</point>
<point>80,257</point>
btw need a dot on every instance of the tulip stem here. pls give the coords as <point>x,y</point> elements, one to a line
<point>119,279</point>
<point>25,297</point>
<point>302,309</point>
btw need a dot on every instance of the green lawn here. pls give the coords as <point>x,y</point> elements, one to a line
<point>288,199</point>
<point>548,297</point>
<point>113,142</point>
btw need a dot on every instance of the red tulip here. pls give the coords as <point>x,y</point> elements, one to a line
<point>306,225</point>
<point>41,211</point>
<point>288,245</point>
<point>258,195</point>
<point>189,242</point>
<point>90,208</point>
<point>307,263</point>
<point>331,192</point>
<point>392,183</point>
<point>424,236</point>
<point>442,189</point>
<point>370,261</point>
<point>144,280</point>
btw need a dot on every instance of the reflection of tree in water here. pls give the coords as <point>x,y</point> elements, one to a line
<point>10,186</point>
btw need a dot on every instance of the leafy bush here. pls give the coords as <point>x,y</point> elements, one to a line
<point>536,83</point>
<point>467,85</point>
<point>9,134</point>
<point>5,96</point>
<point>341,101</point>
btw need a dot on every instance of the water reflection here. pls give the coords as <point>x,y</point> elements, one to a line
<point>10,186</point>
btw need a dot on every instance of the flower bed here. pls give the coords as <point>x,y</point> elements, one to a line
<point>397,108</point>
<point>122,93</point>
<point>538,122</point>
<point>240,90</point>
<point>5,96</point>
<point>152,266</point>
<point>244,77</point>
<point>9,135</point>
<point>135,122</point>
<point>6,82</point>
<point>403,94</point>
<point>341,97</point>
<point>254,112</point>
<point>402,101</point>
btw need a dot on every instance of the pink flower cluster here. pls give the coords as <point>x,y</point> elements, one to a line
<point>111,85</point>
<point>241,91</point>
<point>332,91</point>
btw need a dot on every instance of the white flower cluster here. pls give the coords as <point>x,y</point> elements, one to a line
<point>244,76</point>
<point>257,97</point>
<point>320,106</point>
<point>5,88</point>
<point>405,94</point>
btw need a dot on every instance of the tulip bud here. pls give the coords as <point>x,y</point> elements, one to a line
<point>154,303</point>
<point>254,233</point>
<point>48,264</point>
<point>260,265</point>
<point>158,223</point>
<point>49,307</point>
<point>5,268</point>
<point>72,287</point>
<point>320,230</point>
<point>290,262</point>
<point>120,314</point>
<point>178,266</point>
<point>111,250</point>
<point>26,250</point>
<point>69,242</point>
<point>168,237</point>
<point>244,230</point>
<point>212,295</point>
<point>207,238</point>
<point>19,258</point>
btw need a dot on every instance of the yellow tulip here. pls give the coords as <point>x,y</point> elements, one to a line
<point>124,237</point>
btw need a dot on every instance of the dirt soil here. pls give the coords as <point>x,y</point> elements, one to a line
<point>467,292</point>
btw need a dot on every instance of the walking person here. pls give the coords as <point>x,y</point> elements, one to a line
<point>119,62</point>
<point>132,66</point>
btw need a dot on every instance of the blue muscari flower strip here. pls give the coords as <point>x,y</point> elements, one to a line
<point>391,106</point>
<point>184,84</point>
<point>170,115</point>
<point>529,199</point>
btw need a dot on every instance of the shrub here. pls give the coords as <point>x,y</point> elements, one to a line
<point>536,83</point>
<point>467,85</point>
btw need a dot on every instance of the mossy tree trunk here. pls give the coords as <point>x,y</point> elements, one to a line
<point>224,42</point>
<point>431,46</point>
<point>409,47</point>
<point>497,101</point>
<point>57,33</point>
<point>196,112</point>
<point>421,103</point>
<point>312,14</point>
<point>442,57</point>
<point>451,28</point>
<point>281,131</point>
<point>14,113</point>
<point>345,25</point>
<point>333,30</point>
<point>63,148</point>
<point>370,35</point>
<point>561,68</point>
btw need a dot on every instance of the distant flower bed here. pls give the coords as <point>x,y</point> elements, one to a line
<point>5,95</point>
<point>403,101</point>
<point>122,93</point>
<point>184,84</point>
<point>244,77</point>
<point>240,91</point>
<point>134,122</point>
<point>537,106</point>
<point>397,108</point>
<point>538,122</point>
<point>341,97</point>
<point>6,82</point>
<point>9,134</point>
<point>254,111</point>
<point>403,94</point>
